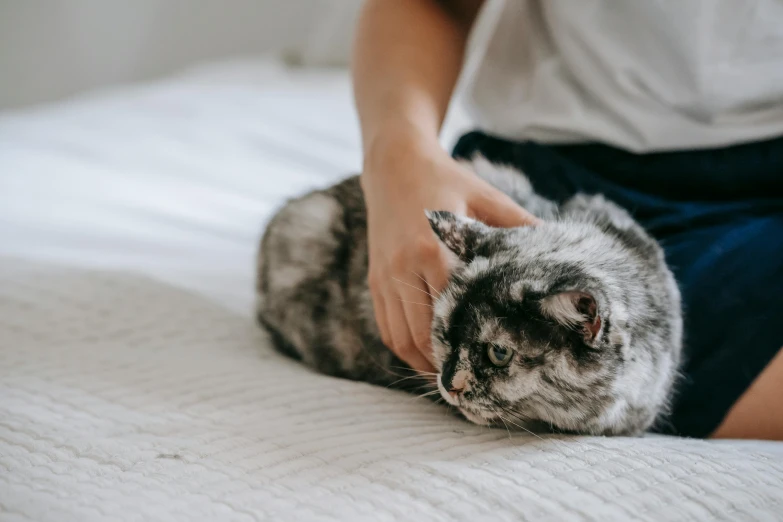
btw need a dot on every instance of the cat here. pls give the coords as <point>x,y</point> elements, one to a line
<point>574,323</point>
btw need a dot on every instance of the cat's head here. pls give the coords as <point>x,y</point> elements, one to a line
<point>526,328</point>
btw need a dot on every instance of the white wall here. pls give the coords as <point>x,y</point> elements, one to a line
<point>51,49</point>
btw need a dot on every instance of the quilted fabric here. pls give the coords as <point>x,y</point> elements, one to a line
<point>125,399</point>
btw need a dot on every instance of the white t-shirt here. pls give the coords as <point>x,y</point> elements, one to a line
<point>643,75</point>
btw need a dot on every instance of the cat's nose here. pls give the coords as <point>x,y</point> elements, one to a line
<point>458,383</point>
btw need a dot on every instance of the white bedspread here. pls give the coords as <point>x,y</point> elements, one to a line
<point>135,386</point>
<point>176,179</point>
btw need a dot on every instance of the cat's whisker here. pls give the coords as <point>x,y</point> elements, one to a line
<point>525,429</point>
<point>414,302</point>
<point>429,386</point>
<point>506,426</point>
<point>382,367</point>
<point>500,416</point>
<point>427,283</point>
<point>420,372</point>
<point>414,287</point>
<point>429,377</point>
<point>425,386</point>
<point>403,379</point>
<point>554,439</point>
<point>425,394</point>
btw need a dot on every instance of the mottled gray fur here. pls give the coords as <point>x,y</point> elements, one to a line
<point>582,309</point>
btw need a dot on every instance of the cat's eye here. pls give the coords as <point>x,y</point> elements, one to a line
<point>499,355</point>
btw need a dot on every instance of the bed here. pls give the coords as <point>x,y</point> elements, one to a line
<point>134,384</point>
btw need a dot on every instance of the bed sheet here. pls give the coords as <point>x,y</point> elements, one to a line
<point>122,398</point>
<point>133,383</point>
<point>177,178</point>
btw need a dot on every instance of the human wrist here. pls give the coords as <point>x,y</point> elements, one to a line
<point>400,145</point>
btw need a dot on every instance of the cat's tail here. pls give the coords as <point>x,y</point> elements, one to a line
<point>513,183</point>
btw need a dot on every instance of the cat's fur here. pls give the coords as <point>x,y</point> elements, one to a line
<point>585,301</point>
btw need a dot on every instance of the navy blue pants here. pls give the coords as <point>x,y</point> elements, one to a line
<point>718,214</point>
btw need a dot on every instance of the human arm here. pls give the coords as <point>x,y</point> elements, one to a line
<point>408,56</point>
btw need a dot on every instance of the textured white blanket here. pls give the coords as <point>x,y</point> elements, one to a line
<point>125,399</point>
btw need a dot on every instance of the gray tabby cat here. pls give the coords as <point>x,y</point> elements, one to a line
<point>574,323</point>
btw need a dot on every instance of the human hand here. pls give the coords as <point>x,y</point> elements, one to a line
<point>408,266</point>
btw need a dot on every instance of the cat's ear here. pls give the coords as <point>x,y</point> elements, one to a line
<point>460,234</point>
<point>574,309</point>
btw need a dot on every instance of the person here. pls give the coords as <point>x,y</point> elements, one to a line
<point>671,109</point>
